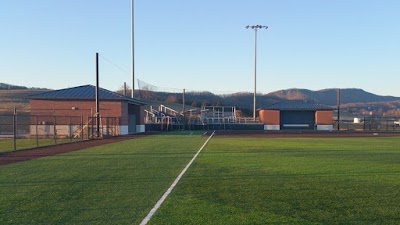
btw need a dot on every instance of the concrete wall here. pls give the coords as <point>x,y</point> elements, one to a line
<point>71,130</point>
<point>140,128</point>
<point>272,127</point>
<point>325,127</point>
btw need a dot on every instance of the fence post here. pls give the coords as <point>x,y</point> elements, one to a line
<point>15,128</point>
<point>55,129</point>
<point>364,123</point>
<point>70,130</point>
<point>88,128</point>
<point>92,134</point>
<point>37,135</point>
<point>81,127</point>
<point>107,126</point>
<point>117,128</point>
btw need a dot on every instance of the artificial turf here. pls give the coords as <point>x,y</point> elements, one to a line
<point>111,184</point>
<point>289,180</point>
<point>233,181</point>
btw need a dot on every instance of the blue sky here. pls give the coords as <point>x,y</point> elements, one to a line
<point>203,45</point>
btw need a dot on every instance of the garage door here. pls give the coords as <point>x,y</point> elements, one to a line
<point>297,120</point>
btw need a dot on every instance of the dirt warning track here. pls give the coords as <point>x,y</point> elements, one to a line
<point>300,134</point>
<point>28,154</point>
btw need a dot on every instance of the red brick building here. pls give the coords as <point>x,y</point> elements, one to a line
<point>64,104</point>
<point>296,115</point>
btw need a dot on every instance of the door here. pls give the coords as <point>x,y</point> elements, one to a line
<point>132,124</point>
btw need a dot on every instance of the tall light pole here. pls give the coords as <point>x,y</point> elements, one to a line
<point>133,45</point>
<point>255,28</point>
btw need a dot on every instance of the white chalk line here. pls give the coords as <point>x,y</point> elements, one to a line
<point>161,200</point>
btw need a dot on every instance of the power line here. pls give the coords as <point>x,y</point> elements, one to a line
<point>115,65</point>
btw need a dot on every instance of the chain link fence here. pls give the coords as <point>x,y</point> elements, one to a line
<point>369,124</point>
<point>21,130</point>
<point>381,123</point>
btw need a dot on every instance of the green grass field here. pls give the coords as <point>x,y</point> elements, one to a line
<point>111,184</point>
<point>233,181</point>
<point>295,181</point>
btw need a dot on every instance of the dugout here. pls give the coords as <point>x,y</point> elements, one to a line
<point>296,115</point>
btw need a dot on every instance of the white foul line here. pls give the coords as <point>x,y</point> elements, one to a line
<point>161,200</point>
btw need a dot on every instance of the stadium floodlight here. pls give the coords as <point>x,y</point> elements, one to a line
<point>255,28</point>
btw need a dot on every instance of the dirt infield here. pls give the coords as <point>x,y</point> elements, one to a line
<point>300,134</point>
<point>28,154</point>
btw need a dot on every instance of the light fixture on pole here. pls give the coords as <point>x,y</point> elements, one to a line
<point>255,28</point>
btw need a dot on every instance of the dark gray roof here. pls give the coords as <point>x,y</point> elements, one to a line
<point>292,105</point>
<point>86,92</point>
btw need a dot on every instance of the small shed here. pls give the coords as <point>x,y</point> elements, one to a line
<point>126,112</point>
<point>297,114</point>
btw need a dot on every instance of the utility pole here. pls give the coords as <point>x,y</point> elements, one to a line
<point>183,108</point>
<point>97,97</point>
<point>338,108</point>
<point>183,101</point>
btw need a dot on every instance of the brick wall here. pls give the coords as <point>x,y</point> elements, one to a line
<point>269,117</point>
<point>77,108</point>
<point>324,117</point>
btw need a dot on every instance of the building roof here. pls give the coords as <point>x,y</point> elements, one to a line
<point>294,105</point>
<point>85,92</point>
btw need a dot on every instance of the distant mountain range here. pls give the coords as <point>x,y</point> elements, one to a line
<point>4,86</point>
<point>326,97</point>
<point>329,96</point>
<point>353,100</point>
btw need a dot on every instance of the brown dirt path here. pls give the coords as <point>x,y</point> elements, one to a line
<point>28,154</point>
